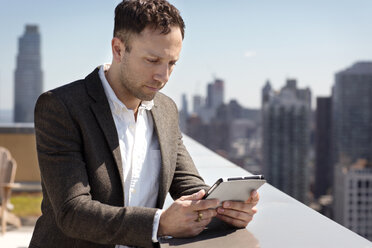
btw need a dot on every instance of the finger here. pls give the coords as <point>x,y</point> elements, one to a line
<point>204,204</point>
<point>232,221</point>
<point>254,198</point>
<point>196,196</point>
<point>243,216</point>
<point>205,214</point>
<point>237,205</point>
<point>240,206</point>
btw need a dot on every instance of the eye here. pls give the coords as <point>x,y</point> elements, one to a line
<point>172,63</point>
<point>153,61</point>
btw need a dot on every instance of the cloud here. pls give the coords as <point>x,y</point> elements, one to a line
<point>250,54</point>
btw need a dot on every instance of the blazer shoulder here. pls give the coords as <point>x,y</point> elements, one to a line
<point>75,91</point>
<point>161,100</point>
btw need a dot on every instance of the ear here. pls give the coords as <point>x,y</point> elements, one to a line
<point>118,49</point>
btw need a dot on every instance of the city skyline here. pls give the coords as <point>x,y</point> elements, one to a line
<point>242,42</point>
<point>28,75</point>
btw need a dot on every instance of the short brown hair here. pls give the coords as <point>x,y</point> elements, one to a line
<point>133,16</point>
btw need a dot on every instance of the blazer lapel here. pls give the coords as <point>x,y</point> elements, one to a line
<point>102,112</point>
<point>165,170</point>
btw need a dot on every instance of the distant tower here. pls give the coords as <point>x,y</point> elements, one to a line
<point>215,94</point>
<point>352,196</point>
<point>28,75</point>
<point>323,151</point>
<point>266,92</point>
<point>197,104</point>
<point>184,114</point>
<point>352,113</point>
<point>286,137</point>
<point>185,104</point>
<point>352,147</point>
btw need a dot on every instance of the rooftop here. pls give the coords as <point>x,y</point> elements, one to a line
<point>281,221</point>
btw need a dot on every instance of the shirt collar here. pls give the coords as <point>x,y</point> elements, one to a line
<point>147,105</point>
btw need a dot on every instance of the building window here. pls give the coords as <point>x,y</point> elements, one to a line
<point>359,184</point>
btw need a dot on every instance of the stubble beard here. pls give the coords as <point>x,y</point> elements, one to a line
<point>130,86</point>
<point>136,92</point>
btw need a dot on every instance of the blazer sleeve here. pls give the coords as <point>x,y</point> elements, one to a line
<point>66,185</point>
<point>186,178</point>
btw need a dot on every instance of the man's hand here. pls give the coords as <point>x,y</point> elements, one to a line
<point>187,216</point>
<point>238,214</point>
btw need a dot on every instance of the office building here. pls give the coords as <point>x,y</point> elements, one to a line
<point>351,144</point>
<point>215,94</point>
<point>353,196</point>
<point>286,135</point>
<point>352,113</point>
<point>323,141</point>
<point>183,113</point>
<point>197,104</point>
<point>28,75</point>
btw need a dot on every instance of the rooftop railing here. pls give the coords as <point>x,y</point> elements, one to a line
<point>281,221</point>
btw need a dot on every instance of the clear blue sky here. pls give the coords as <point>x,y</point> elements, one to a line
<point>244,42</point>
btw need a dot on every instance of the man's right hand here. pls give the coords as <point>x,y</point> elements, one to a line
<point>182,218</point>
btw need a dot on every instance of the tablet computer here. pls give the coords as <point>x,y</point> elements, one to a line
<point>234,188</point>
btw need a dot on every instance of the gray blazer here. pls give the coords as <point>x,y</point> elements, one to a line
<point>82,174</point>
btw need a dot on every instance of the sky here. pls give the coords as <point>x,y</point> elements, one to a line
<point>243,42</point>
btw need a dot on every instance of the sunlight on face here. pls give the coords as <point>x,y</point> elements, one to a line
<point>147,67</point>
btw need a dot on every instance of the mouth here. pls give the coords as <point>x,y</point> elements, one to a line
<point>152,88</point>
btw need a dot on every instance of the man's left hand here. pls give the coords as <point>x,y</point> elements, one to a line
<point>238,214</point>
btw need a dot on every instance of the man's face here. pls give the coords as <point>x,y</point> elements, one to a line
<point>146,68</point>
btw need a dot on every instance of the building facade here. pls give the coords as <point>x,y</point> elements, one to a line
<point>286,136</point>
<point>353,197</point>
<point>352,113</point>
<point>28,75</point>
<point>215,94</point>
<point>323,151</point>
<point>351,145</point>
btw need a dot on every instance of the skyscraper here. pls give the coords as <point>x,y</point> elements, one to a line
<point>265,93</point>
<point>353,197</point>
<point>185,105</point>
<point>197,104</point>
<point>286,135</point>
<point>323,141</point>
<point>352,113</point>
<point>215,94</point>
<point>28,75</point>
<point>351,144</point>
<point>183,113</point>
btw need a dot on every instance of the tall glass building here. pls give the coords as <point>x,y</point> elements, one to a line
<point>352,113</point>
<point>286,136</point>
<point>28,75</point>
<point>352,145</point>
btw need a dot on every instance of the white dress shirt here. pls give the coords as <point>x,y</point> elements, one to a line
<point>140,151</point>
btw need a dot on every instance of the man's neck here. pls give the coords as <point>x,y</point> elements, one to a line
<point>121,92</point>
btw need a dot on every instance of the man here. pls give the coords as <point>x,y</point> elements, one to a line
<point>110,149</point>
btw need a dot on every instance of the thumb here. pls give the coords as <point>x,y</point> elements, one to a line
<point>196,196</point>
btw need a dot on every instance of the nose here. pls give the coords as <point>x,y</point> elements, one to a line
<point>162,73</point>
